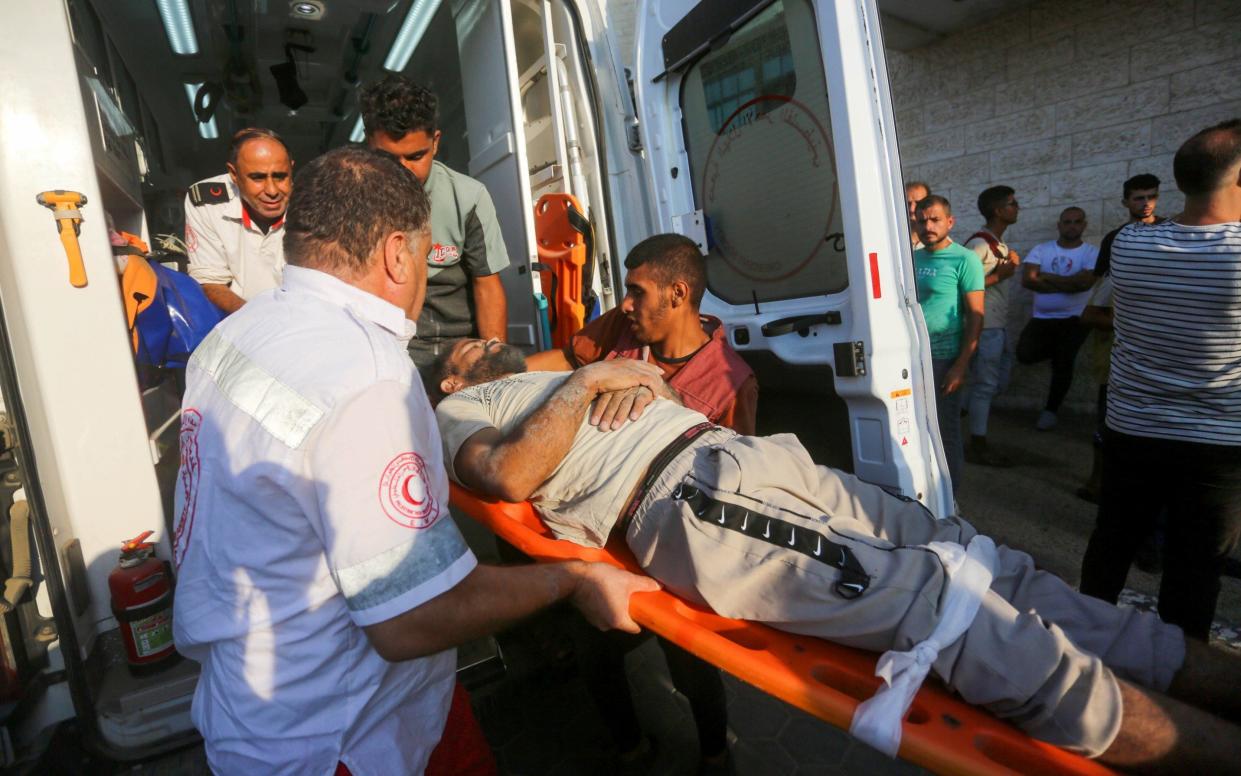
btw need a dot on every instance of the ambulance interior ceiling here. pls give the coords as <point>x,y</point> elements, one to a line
<point>334,46</point>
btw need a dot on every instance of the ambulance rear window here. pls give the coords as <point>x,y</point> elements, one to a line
<point>759,138</point>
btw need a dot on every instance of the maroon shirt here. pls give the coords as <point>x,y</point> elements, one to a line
<point>713,380</point>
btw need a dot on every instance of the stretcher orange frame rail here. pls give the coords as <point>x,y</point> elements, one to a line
<point>941,732</point>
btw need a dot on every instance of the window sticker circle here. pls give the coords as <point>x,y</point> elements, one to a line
<point>763,228</point>
<point>405,492</point>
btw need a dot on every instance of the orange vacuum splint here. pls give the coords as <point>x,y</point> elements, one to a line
<point>941,732</point>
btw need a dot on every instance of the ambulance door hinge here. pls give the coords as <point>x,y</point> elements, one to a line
<point>633,131</point>
<point>850,358</point>
<point>632,125</point>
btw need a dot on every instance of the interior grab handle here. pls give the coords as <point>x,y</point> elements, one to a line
<point>799,323</point>
<point>64,206</point>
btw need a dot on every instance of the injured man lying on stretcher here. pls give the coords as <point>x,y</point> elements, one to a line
<point>751,528</point>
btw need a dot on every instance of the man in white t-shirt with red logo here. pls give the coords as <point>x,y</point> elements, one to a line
<point>1060,273</point>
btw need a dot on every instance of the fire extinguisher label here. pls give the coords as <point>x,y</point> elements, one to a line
<point>153,634</point>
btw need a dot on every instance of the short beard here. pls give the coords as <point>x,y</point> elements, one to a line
<point>504,360</point>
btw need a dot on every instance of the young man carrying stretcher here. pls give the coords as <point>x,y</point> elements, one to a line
<point>751,528</point>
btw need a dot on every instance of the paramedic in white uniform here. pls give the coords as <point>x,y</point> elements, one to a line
<point>234,222</point>
<point>322,583</point>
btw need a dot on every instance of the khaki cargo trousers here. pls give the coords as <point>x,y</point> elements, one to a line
<point>751,528</point>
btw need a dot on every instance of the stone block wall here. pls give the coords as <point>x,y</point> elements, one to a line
<point>1063,100</point>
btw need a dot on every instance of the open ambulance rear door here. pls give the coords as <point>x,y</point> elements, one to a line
<point>769,138</point>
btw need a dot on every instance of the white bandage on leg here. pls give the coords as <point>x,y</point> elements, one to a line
<point>877,721</point>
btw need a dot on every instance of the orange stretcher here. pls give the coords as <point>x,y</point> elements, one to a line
<point>941,732</point>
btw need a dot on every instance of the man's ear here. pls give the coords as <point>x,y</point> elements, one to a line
<point>232,173</point>
<point>396,256</point>
<point>678,293</point>
<point>451,384</point>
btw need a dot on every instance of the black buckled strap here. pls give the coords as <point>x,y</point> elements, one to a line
<point>853,578</point>
<point>661,461</point>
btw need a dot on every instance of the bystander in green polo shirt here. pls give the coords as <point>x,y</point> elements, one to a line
<point>943,276</point>
<point>465,243</point>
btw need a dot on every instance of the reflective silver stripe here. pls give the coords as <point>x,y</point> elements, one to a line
<point>281,411</point>
<point>392,573</point>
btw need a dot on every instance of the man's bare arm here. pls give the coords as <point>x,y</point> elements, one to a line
<point>973,304</point>
<point>490,307</point>
<point>1040,283</point>
<point>548,361</point>
<point>510,466</point>
<point>1005,267</point>
<point>492,598</point>
<point>223,297</point>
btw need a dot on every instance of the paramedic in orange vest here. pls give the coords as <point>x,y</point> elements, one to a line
<point>659,321</point>
<point>234,233</point>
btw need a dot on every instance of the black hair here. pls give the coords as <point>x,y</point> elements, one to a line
<point>1141,181</point>
<point>344,202</point>
<point>992,199</point>
<point>439,371</point>
<point>398,106</point>
<point>1203,160</point>
<point>930,200</point>
<point>672,257</point>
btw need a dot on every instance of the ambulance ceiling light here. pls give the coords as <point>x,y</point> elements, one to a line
<point>207,130</point>
<point>178,26</point>
<point>306,9</point>
<point>359,132</point>
<point>412,30</point>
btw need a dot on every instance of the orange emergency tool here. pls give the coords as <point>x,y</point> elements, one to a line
<point>64,206</point>
<point>141,589</point>
<point>940,733</point>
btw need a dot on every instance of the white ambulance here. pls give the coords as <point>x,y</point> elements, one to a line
<point>763,129</point>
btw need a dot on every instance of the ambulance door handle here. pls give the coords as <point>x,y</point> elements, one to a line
<point>800,323</point>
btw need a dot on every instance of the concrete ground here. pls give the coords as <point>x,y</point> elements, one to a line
<point>539,719</point>
<point>1033,505</point>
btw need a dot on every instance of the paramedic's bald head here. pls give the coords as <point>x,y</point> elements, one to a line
<point>356,213</point>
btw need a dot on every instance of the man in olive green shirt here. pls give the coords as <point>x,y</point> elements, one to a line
<point>464,294</point>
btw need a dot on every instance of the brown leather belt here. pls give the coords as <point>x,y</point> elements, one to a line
<point>660,462</point>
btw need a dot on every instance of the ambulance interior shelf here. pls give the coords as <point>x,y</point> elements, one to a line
<point>941,732</point>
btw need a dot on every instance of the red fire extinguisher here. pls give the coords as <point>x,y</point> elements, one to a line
<point>141,587</point>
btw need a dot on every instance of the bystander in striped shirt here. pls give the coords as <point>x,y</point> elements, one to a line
<point>1176,362</point>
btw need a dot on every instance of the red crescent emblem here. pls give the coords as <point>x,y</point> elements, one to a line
<point>404,476</point>
<point>406,494</point>
<point>216,191</point>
